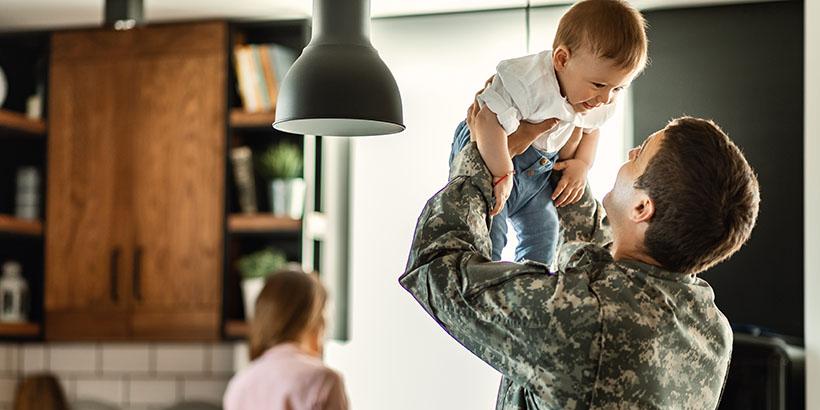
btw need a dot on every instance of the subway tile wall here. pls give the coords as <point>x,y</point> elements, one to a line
<point>130,376</point>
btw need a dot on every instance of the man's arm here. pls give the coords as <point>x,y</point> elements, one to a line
<point>585,221</point>
<point>532,326</point>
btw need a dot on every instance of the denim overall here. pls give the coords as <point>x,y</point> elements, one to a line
<point>529,207</point>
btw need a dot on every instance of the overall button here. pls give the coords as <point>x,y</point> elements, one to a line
<point>543,161</point>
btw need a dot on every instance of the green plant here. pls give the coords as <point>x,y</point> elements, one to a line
<point>280,161</point>
<point>261,263</point>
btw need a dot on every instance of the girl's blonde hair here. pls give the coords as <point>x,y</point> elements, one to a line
<point>40,392</point>
<point>291,303</point>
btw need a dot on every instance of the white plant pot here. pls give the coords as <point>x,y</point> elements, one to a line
<point>250,291</point>
<point>287,197</point>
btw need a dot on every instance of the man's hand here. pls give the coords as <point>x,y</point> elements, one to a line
<point>527,133</point>
<point>573,182</point>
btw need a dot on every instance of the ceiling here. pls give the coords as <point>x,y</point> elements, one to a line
<point>39,14</point>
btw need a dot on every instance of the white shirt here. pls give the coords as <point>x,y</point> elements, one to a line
<point>526,88</point>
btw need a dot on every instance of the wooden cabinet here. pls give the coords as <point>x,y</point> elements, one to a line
<point>134,243</point>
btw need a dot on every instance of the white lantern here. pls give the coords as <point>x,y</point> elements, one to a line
<point>13,294</point>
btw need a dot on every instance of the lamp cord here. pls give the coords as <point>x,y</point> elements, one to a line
<point>527,25</point>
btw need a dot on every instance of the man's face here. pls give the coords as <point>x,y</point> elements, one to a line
<point>621,201</point>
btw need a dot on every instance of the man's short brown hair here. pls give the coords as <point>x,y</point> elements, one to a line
<point>706,197</point>
<point>610,29</point>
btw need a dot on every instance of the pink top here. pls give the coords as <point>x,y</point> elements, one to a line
<point>286,378</point>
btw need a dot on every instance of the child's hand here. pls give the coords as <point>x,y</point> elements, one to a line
<point>502,186</point>
<point>572,184</point>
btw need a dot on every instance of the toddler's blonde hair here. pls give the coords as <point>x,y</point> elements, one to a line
<point>611,29</point>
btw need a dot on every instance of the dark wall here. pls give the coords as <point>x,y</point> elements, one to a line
<point>742,66</point>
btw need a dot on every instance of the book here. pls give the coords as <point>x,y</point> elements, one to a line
<point>242,161</point>
<point>270,75</point>
<point>260,69</point>
<point>259,79</point>
<point>283,58</point>
<point>245,79</point>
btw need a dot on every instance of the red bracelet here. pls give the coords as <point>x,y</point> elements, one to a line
<point>502,178</point>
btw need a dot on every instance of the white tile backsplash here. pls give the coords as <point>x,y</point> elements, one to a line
<point>157,391</point>
<point>8,359</point>
<point>221,359</point>
<point>174,359</point>
<point>111,391</point>
<point>204,390</point>
<point>73,358</point>
<point>133,376</point>
<point>69,388</point>
<point>130,359</point>
<point>32,358</point>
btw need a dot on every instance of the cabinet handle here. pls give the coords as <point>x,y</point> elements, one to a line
<point>113,271</point>
<point>137,292</point>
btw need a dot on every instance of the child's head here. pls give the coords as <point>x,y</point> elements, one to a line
<point>40,392</point>
<point>290,308</point>
<point>599,48</point>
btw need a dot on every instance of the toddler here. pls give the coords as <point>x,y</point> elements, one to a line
<point>599,48</point>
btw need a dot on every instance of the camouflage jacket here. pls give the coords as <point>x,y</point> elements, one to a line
<point>598,334</point>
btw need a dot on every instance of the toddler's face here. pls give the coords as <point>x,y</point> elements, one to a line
<point>588,81</point>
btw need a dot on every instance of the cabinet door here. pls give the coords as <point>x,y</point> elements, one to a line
<point>178,159</point>
<point>85,297</point>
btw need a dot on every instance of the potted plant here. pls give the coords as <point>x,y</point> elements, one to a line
<point>255,268</point>
<point>281,166</point>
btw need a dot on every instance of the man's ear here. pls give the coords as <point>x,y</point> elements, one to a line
<point>644,209</point>
<point>560,56</point>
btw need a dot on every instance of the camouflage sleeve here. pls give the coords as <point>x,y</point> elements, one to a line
<point>529,324</point>
<point>584,220</point>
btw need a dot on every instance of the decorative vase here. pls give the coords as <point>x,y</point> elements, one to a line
<point>13,294</point>
<point>287,197</point>
<point>251,288</point>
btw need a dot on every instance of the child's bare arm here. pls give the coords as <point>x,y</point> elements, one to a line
<point>571,186</point>
<point>492,144</point>
<point>568,150</point>
<point>587,147</point>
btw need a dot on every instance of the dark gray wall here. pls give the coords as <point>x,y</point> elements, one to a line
<point>742,66</point>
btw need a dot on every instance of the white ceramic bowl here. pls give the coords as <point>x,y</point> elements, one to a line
<point>3,87</point>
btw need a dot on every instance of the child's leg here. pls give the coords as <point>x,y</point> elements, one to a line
<point>534,216</point>
<point>460,140</point>
<point>536,226</point>
<point>498,233</point>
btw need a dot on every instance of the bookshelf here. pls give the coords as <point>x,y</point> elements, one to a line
<point>12,225</point>
<point>23,144</point>
<point>251,230</point>
<point>261,223</point>
<point>15,123</point>
<point>241,119</point>
<point>236,329</point>
<point>20,330</point>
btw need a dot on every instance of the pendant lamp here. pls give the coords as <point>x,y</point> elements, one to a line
<point>339,86</point>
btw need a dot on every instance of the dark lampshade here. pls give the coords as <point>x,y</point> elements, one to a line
<point>123,14</point>
<point>339,86</point>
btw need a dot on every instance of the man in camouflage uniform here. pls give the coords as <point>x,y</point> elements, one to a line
<point>624,323</point>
